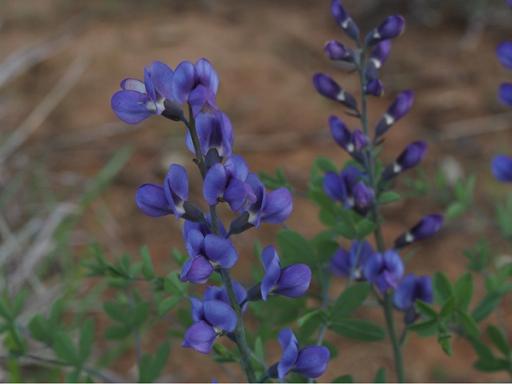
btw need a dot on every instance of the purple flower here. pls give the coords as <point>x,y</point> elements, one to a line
<point>400,107</point>
<point>220,293</point>
<point>206,252</point>
<point>502,168</point>
<point>338,52</point>
<point>390,28</point>
<point>228,182</point>
<point>413,288</point>
<point>291,281</point>
<point>353,143</point>
<point>344,20</point>
<point>351,263</point>
<point>504,52</point>
<point>385,270</point>
<point>151,200</point>
<point>327,87</point>
<point>310,361</point>
<point>409,158</point>
<point>505,94</point>
<point>509,3</point>
<point>374,88</point>
<point>139,100</point>
<point>176,188</point>
<point>378,56</point>
<point>214,131</point>
<point>425,228</point>
<point>211,319</point>
<point>349,188</point>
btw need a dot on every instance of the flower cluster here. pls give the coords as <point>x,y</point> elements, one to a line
<point>226,179</point>
<point>358,186</point>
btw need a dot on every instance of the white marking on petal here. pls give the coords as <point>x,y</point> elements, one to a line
<point>341,96</point>
<point>344,24</point>
<point>351,202</point>
<point>409,238</point>
<point>376,34</point>
<point>151,106</point>
<point>133,85</point>
<point>376,63</point>
<point>389,119</point>
<point>397,168</point>
<point>350,148</point>
<point>180,207</point>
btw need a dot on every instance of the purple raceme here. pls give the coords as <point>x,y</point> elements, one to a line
<point>310,361</point>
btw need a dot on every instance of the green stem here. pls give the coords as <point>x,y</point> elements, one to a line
<point>239,333</point>
<point>369,160</point>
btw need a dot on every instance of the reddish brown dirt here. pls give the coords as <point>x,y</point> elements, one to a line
<point>265,53</point>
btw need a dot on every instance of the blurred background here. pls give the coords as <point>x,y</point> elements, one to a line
<point>69,169</point>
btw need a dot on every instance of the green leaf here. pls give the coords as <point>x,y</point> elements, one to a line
<point>358,329</point>
<point>469,324</point>
<point>444,338</point>
<point>388,197</point>
<point>147,265</point>
<point>40,329</point>
<point>294,247</point>
<point>425,328</point>
<point>442,288</point>
<point>351,299</point>
<point>86,339</point>
<point>64,348</point>
<point>492,365</point>
<point>343,379</point>
<point>116,332</point>
<point>118,311</point>
<point>364,228</point>
<point>448,308</point>
<point>499,339</point>
<point>259,350</point>
<point>380,376</point>
<point>463,291</point>
<point>426,310</point>
<point>167,304</point>
<point>454,210</point>
<point>486,306</point>
<point>151,367</point>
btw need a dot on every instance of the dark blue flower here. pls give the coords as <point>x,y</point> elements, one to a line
<point>398,109</point>
<point>291,281</point>
<point>214,130</point>
<point>378,56</point>
<point>385,270</point>
<point>353,143</point>
<point>211,318</point>
<point>197,270</point>
<point>220,293</point>
<point>327,87</point>
<point>138,100</point>
<point>505,94</point>
<point>338,52</point>
<point>310,361</point>
<point>374,88</point>
<point>411,289</point>
<point>411,156</point>
<point>502,168</point>
<point>176,188</point>
<point>151,200</point>
<point>228,182</point>
<point>351,263</point>
<point>390,28</point>
<point>344,20</point>
<point>428,226</point>
<point>349,188</point>
<point>504,52</point>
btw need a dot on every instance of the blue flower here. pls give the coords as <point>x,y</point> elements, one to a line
<point>310,361</point>
<point>351,263</point>
<point>502,168</point>
<point>374,87</point>
<point>151,200</point>
<point>349,188</point>
<point>398,109</point>
<point>139,100</point>
<point>211,319</point>
<point>228,182</point>
<point>220,293</point>
<point>214,131</point>
<point>390,28</point>
<point>344,20</point>
<point>411,289</point>
<point>338,52</point>
<point>327,87</point>
<point>291,281</point>
<point>385,270</point>
<point>411,156</point>
<point>504,52</point>
<point>428,226</point>
<point>352,142</point>
<point>176,188</point>
<point>505,94</point>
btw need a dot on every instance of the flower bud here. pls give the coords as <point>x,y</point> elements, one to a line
<point>329,88</point>
<point>380,53</point>
<point>502,168</point>
<point>411,289</point>
<point>390,28</point>
<point>344,20</point>
<point>505,94</point>
<point>425,228</point>
<point>337,51</point>
<point>504,52</point>
<point>340,133</point>
<point>374,88</point>
<point>363,197</point>
<point>409,158</point>
<point>400,107</point>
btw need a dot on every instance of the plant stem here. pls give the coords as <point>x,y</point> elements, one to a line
<point>369,160</point>
<point>239,333</point>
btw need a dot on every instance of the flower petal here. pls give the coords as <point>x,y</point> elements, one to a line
<point>214,184</point>
<point>131,106</point>
<point>220,251</point>
<point>197,270</point>
<point>161,77</point>
<point>278,206</point>
<point>312,361</point>
<point>176,187</point>
<point>290,352</point>
<point>272,267</point>
<point>183,81</point>
<point>220,315</point>
<point>502,168</point>
<point>207,75</point>
<point>294,280</point>
<point>133,85</point>
<point>150,199</point>
<point>200,336</point>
